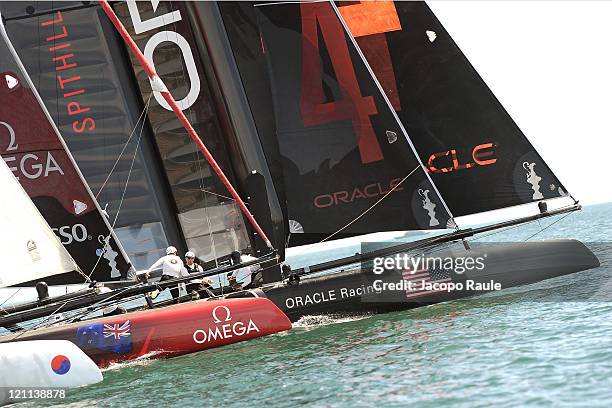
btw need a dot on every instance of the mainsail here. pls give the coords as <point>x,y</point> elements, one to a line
<point>37,156</point>
<point>172,197</point>
<point>82,73</point>
<point>30,250</point>
<point>478,157</point>
<point>210,220</point>
<point>343,152</point>
<point>340,153</point>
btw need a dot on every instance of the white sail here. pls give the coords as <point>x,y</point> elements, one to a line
<point>28,247</point>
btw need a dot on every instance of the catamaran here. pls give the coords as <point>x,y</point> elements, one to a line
<point>34,253</point>
<point>333,121</point>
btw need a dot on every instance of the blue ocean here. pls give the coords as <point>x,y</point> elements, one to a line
<point>543,345</point>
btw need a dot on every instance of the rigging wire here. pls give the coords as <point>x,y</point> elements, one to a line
<point>371,207</point>
<point>218,195</point>
<point>210,231</point>
<point>127,181</point>
<point>95,307</point>
<point>46,321</point>
<point>10,297</point>
<point>548,226</point>
<point>40,324</point>
<point>142,114</point>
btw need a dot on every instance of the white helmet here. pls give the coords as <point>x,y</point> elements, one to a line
<point>170,250</point>
<point>189,254</point>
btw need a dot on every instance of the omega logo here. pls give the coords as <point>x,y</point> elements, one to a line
<point>228,314</point>
<point>223,329</point>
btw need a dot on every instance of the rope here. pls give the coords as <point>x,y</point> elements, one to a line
<point>218,195</point>
<point>10,297</point>
<point>127,181</point>
<point>548,226</point>
<point>124,147</point>
<point>82,313</point>
<point>39,324</point>
<point>372,206</point>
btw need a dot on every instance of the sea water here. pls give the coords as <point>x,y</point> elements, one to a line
<point>547,344</point>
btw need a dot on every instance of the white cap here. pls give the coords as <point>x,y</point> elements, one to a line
<point>189,254</point>
<point>170,250</point>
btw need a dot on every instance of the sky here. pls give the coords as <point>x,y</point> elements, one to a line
<point>550,65</point>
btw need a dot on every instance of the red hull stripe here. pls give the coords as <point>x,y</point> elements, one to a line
<point>170,331</point>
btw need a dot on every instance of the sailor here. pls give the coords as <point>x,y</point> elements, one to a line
<point>172,268</point>
<point>241,278</point>
<point>198,285</point>
<point>190,264</point>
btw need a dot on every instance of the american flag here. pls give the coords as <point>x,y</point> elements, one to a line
<point>425,276</point>
<point>117,330</point>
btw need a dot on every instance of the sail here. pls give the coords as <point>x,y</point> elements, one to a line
<point>243,134</point>
<point>115,153</point>
<point>37,156</point>
<point>211,222</point>
<point>478,157</point>
<point>343,152</point>
<point>30,250</point>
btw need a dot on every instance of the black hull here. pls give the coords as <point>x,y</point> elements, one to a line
<point>509,265</point>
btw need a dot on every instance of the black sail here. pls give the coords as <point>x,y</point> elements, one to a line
<point>478,157</point>
<point>341,148</point>
<point>168,34</point>
<point>172,197</point>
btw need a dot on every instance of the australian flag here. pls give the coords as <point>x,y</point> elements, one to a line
<point>114,337</point>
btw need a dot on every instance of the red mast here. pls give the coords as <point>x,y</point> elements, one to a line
<point>158,85</point>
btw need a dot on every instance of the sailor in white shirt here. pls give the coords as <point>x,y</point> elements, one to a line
<point>242,276</point>
<point>172,267</point>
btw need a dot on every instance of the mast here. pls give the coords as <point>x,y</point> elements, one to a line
<point>158,85</point>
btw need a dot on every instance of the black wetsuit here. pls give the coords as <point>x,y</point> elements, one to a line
<point>174,291</point>
<point>201,288</point>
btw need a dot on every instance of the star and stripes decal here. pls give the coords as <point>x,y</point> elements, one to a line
<point>420,279</point>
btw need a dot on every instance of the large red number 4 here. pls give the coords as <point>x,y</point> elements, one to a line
<point>353,105</point>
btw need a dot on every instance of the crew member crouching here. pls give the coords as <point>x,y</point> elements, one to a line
<point>241,278</point>
<point>172,268</point>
